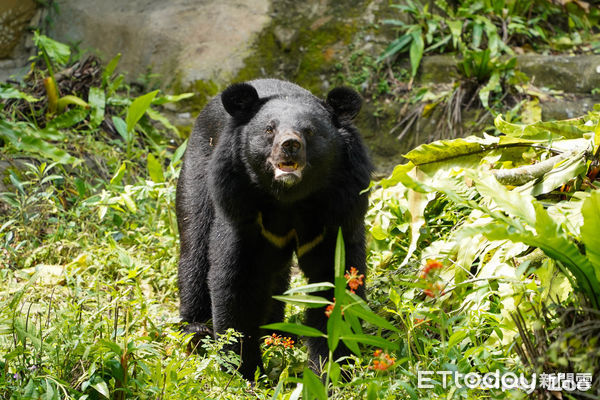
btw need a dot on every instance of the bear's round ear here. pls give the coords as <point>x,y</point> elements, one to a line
<point>240,101</point>
<point>345,101</point>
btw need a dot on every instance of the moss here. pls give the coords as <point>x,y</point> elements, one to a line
<point>316,43</point>
<point>203,91</point>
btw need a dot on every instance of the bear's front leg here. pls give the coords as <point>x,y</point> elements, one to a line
<point>239,291</point>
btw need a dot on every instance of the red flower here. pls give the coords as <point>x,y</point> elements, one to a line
<point>354,279</point>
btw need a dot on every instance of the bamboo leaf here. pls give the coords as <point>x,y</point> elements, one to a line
<point>364,313</point>
<point>313,387</point>
<point>444,150</point>
<point>544,131</point>
<point>334,328</point>
<point>138,108</point>
<point>304,300</point>
<point>416,50</point>
<point>312,287</point>
<point>97,101</point>
<point>397,46</point>
<point>56,51</point>
<point>371,341</point>
<point>589,230</point>
<point>296,329</point>
<point>155,169</point>
<point>68,119</point>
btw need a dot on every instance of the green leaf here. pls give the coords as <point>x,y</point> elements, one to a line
<point>313,387</point>
<point>400,174</point>
<point>456,31</point>
<point>370,340</point>
<point>397,46</point>
<point>121,128</point>
<point>493,85</point>
<point>155,169</point>
<point>179,153</point>
<point>552,241</point>
<point>544,131</point>
<point>515,203</point>
<point>137,109</point>
<point>68,119</point>
<point>129,202</point>
<point>9,92</point>
<point>118,177</point>
<point>340,255</point>
<point>102,388</point>
<point>304,300</point>
<point>312,287</point>
<point>25,141</point>
<point>445,150</point>
<point>110,68</point>
<point>334,328</point>
<point>556,245</point>
<point>296,329</point>
<point>97,101</point>
<point>456,338</point>
<point>64,101</point>
<point>347,331</point>
<point>416,51</point>
<point>171,98</point>
<point>362,311</point>
<point>155,115</point>
<point>56,51</point>
<point>372,391</point>
<point>589,230</point>
<point>566,170</point>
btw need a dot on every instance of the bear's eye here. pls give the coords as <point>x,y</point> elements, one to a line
<point>309,132</point>
<point>269,129</point>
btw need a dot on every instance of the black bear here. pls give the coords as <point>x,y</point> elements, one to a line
<point>270,170</point>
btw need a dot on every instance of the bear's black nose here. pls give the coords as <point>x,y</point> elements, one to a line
<point>291,146</point>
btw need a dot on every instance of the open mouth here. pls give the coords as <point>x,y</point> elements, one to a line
<point>287,166</point>
<point>288,171</point>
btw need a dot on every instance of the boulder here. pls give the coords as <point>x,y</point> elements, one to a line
<point>182,40</point>
<point>16,16</point>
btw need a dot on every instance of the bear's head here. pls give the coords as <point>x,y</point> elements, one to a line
<point>290,143</point>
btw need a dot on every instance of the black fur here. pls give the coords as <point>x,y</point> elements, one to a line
<point>230,199</point>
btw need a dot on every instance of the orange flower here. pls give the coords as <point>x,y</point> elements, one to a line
<point>434,289</point>
<point>382,361</point>
<point>329,308</point>
<point>276,340</point>
<point>354,279</point>
<point>430,264</point>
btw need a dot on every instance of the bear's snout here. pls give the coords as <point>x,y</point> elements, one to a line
<point>288,157</point>
<point>291,146</point>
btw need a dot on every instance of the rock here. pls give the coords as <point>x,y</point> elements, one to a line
<point>573,74</point>
<point>437,69</point>
<point>567,107</point>
<point>15,16</point>
<point>184,40</point>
